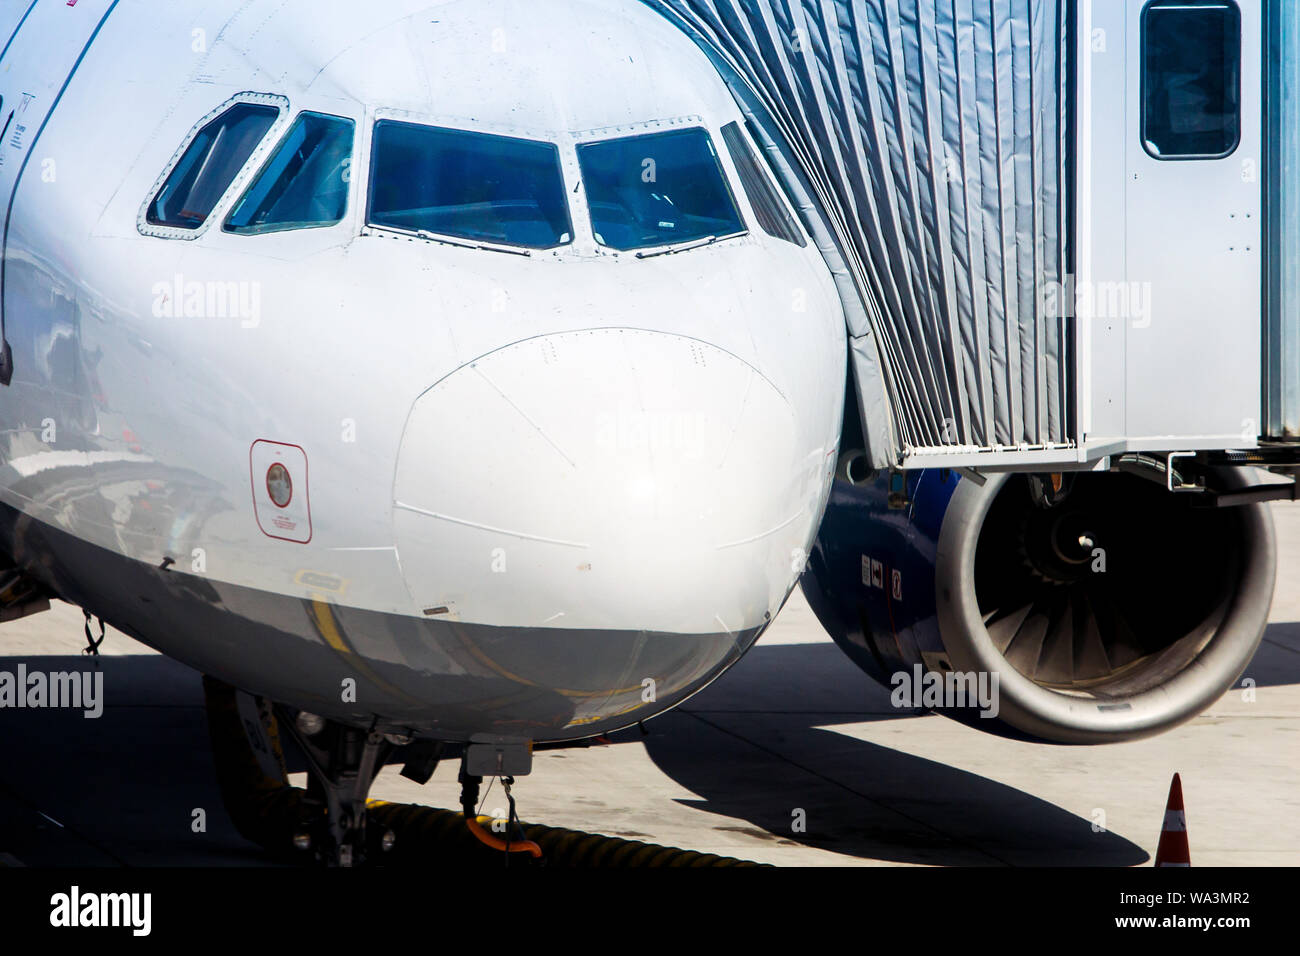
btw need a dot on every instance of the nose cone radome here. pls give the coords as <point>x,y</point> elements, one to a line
<point>606,479</point>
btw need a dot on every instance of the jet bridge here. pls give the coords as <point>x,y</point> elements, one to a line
<point>1047,218</point>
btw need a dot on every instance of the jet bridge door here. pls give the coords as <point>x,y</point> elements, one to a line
<point>66,30</point>
<point>1171,227</point>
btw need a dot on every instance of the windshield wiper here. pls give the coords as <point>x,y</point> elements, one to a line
<point>473,243</point>
<point>684,246</point>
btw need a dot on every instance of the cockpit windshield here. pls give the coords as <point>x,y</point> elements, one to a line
<point>467,185</point>
<point>657,189</point>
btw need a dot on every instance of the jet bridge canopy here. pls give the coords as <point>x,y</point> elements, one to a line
<point>925,153</point>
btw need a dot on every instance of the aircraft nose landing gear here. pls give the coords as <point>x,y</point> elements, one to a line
<point>342,763</point>
<point>332,823</point>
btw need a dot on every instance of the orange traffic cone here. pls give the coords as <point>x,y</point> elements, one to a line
<point>1173,849</point>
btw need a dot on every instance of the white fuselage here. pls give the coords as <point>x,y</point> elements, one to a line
<point>511,474</point>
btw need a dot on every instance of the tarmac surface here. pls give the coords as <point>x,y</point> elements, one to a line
<point>795,733</point>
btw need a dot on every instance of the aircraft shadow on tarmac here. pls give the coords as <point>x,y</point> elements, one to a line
<point>121,789</point>
<point>867,800</point>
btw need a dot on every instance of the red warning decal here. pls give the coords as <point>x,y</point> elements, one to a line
<point>278,473</point>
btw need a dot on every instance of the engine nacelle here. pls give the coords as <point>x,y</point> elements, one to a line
<point>1109,608</point>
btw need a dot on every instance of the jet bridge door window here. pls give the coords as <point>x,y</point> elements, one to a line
<point>773,216</point>
<point>1191,79</point>
<point>468,185</point>
<point>209,165</point>
<point>304,184</point>
<point>657,189</point>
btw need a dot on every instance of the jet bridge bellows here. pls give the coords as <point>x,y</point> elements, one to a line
<point>1045,217</point>
<point>924,146</point>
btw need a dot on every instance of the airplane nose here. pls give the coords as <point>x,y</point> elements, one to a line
<point>605,479</point>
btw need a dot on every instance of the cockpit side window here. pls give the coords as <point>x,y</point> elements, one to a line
<point>209,165</point>
<point>657,189</point>
<point>771,212</point>
<point>467,185</point>
<point>304,183</point>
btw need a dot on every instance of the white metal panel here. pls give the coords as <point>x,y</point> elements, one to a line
<point>1193,253</point>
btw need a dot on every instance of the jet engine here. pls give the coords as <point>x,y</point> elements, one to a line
<point>1108,606</point>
